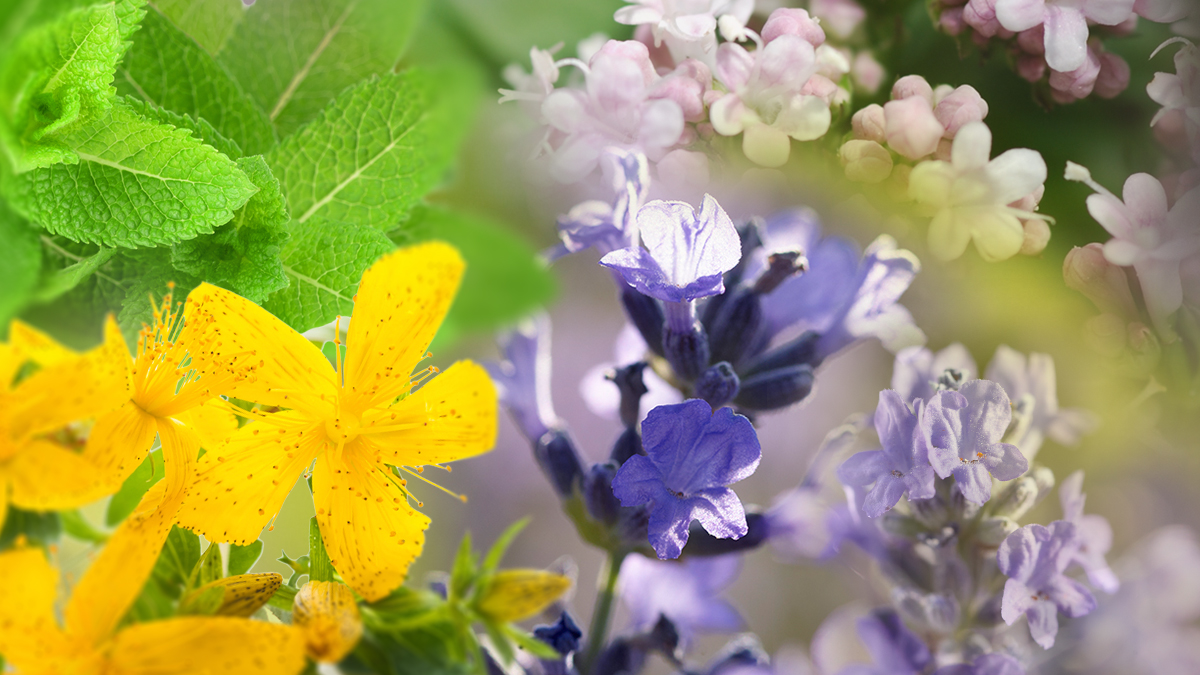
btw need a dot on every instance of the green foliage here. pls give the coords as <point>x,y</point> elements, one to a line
<point>39,528</point>
<point>69,277</point>
<point>169,69</point>
<point>78,527</point>
<point>320,569</point>
<point>149,472</point>
<point>294,56</point>
<point>242,558</point>
<point>180,555</point>
<point>199,126</point>
<point>324,262</point>
<point>369,156</point>
<point>138,183</point>
<point>20,263</point>
<point>209,22</point>
<point>243,255</point>
<point>504,280</point>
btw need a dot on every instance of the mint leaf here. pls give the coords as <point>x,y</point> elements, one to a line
<point>138,183</point>
<point>148,275</point>
<point>76,316</point>
<point>20,263</point>
<point>324,262</point>
<point>505,279</point>
<point>293,56</point>
<point>199,127</point>
<point>369,157</point>
<point>208,22</point>
<point>69,277</point>
<point>243,255</point>
<point>57,79</point>
<point>170,70</point>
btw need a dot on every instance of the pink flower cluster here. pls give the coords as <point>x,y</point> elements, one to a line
<point>1177,124</point>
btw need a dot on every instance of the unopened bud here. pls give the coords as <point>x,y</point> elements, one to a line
<point>961,106</point>
<point>901,525</point>
<point>238,595</point>
<point>789,21</point>
<point>329,617</point>
<point>1114,76</point>
<point>556,454</point>
<point>718,385</point>
<point>865,161</point>
<point>1044,478</point>
<point>1037,236</point>
<point>602,505</point>
<point>800,350</point>
<point>1016,499</point>
<point>910,86</point>
<point>1086,270</point>
<point>993,531</point>
<point>735,326</point>
<point>775,389</point>
<point>646,315</point>
<point>912,129</point>
<point>518,594</point>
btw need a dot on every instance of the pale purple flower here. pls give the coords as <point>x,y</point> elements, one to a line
<point>963,429</point>
<point>1147,235</point>
<point>1034,559</point>
<point>687,593</point>
<point>894,649</point>
<point>1065,22</point>
<point>686,252</point>
<point>608,226</point>
<point>912,128</point>
<point>692,455</point>
<point>1095,534</point>
<point>987,664</point>
<point>902,464</point>
<point>916,370</point>
<point>793,21</point>
<point>523,378</point>
<point>962,106</point>
<point>1035,377</point>
<point>1180,91</point>
<point>766,100</point>
<point>535,85</point>
<point>842,17</point>
<point>1162,11</point>
<point>604,399</point>
<point>970,195</point>
<point>687,27</point>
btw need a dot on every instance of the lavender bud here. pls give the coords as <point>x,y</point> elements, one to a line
<point>628,444</point>
<point>701,543</point>
<point>930,512</point>
<point>563,635</point>
<point>901,525</point>
<point>800,350</point>
<point>646,315</point>
<point>951,380</point>
<point>663,637</point>
<point>556,454</point>
<point>993,531</point>
<point>741,652</point>
<point>598,496</point>
<point>781,266</point>
<point>775,389</point>
<point>632,387</point>
<point>718,385</point>
<point>1016,500</point>
<point>1045,481</point>
<point>735,325</point>
<point>620,656</point>
<point>686,351</point>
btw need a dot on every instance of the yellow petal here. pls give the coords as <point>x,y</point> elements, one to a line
<point>290,372</point>
<point>244,593</point>
<point>370,531</point>
<point>327,613</point>
<point>119,442</point>
<point>212,421</point>
<point>4,497</point>
<point>35,345</point>
<point>116,576</point>
<point>28,630</point>
<point>213,645</point>
<point>241,485</point>
<point>401,302</point>
<point>450,418</point>
<point>45,476</point>
<point>516,595</point>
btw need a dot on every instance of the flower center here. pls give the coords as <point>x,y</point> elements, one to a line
<point>343,428</point>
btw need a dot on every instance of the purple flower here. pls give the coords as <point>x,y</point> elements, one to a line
<point>1035,377</point>
<point>687,593</point>
<point>686,252</point>
<point>988,664</point>
<point>692,454</point>
<point>1095,534</point>
<point>893,647</point>
<point>1034,558</point>
<point>1066,24</point>
<point>963,429</point>
<point>901,466</point>
<point>604,400</point>
<point>523,378</point>
<point>608,227</point>
<point>916,371</point>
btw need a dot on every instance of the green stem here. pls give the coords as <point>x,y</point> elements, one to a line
<point>600,615</point>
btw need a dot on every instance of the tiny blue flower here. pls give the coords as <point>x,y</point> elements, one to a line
<point>963,429</point>
<point>686,252</point>
<point>1034,558</point>
<point>692,455</point>
<point>901,466</point>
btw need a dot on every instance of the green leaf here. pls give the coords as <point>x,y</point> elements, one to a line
<point>148,275</point>
<point>371,155</point>
<point>65,279</point>
<point>209,568</point>
<point>492,561</point>
<point>78,527</point>
<point>204,602</point>
<point>208,22</point>
<point>20,263</point>
<point>500,642</point>
<point>505,279</point>
<point>283,598</point>
<point>319,566</point>
<point>179,557</point>
<point>529,643</point>
<point>138,183</point>
<point>242,558</point>
<point>76,316</point>
<point>40,528</point>
<point>149,472</point>
<point>324,262</point>
<point>432,649</point>
<point>463,574</point>
<point>167,68</point>
<point>403,609</point>
<point>199,127</point>
<point>293,56</point>
<point>243,255</point>
<point>57,79</point>
<point>152,604</point>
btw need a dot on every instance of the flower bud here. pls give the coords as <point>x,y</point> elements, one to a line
<point>870,124</point>
<point>912,129</point>
<point>1105,333</point>
<point>701,543</point>
<point>841,17</point>
<point>735,326</point>
<point>775,389</point>
<point>598,496</point>
<point>628,380</point>
<point>1079,82</point>
<point>981,15</point>
<point>686,350</point>
<point>951,21</point>
<point>646,315</point>
<point>1086,270</point>
<point>993,531</point>
<point>718,385</point>
<point>620,656</point>
<point>1037,236</point>
<point>868,73</point>
<point>329,617</point>
<point>556,454</point>
<point>1016,499</point>
<point>1031,68</point>
<point>962,106</point>
<point>865,161</point>
<point>238,595</point>
<point>912,85</point>
<point>628,444</point>
<point>518,594</point>
<point>563,635</point>
<point>797,351</point>
<point>1033,41</point>
<point>789,21</point>
<point>1044,478</point>
<point>1114,76</point>
<point>901,525</point>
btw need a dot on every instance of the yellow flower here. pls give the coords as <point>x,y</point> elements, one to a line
<point>329,617</point>
<point>517,594</point>
<point>39,469</point>
<point>356,421</point>
<point>88,642</point>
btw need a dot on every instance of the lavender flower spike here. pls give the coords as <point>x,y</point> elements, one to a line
<point>893,647</point>
<point>686,252</point>
<point>687,593</point>
<point>902,465</point>
<point>1095,534</point>
<point>988,664</point>
<point>1034,558</point>
<point>963,429</point>
<point>523,378</point>
<point>608,227</point>
<point>692,454</point>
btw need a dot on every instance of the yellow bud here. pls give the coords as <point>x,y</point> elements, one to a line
<point>515,595</point>
<point>243,595</point>
<point>327,613</point>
